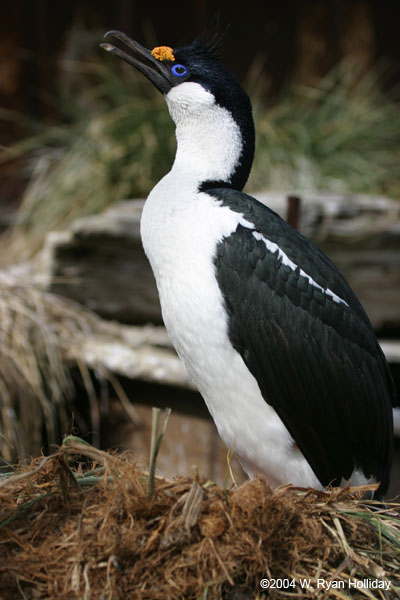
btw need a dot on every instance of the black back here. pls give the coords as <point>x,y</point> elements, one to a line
<point>317,361</point>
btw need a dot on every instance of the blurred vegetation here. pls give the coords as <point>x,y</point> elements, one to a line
<point>113,139</point>
<point>37,335</point>
<point>342,135</point>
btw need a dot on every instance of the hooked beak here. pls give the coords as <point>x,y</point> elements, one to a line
<point>141,59</point>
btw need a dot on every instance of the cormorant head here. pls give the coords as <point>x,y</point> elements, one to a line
<point>193,81</point>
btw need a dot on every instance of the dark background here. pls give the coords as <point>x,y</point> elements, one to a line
<point>300,40</point>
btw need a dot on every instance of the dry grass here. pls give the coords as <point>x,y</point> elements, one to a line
<point>80,524</point>
<point>38,331</point>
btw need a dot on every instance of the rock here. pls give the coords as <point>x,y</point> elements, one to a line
<point>100,262</point>
<point>134,352</point>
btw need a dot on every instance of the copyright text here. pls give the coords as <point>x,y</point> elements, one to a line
<point>325,584</point>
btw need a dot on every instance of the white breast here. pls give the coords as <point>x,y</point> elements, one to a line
<point>180,231</point>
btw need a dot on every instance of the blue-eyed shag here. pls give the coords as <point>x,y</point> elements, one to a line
<point>270,332</point>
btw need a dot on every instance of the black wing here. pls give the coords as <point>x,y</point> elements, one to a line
<point>317,360</point>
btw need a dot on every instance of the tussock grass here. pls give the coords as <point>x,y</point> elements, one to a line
<point>37,332</point>
<point>81,524</point>
<point>342,135</point>
<point>113,140</point>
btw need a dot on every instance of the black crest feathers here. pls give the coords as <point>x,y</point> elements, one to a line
<point>211,41</point>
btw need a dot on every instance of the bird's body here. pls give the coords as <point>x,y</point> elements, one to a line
<point>184,235</point>
<point>275,340</point>
<point>180,237</point>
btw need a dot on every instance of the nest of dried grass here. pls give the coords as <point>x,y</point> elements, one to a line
<point>81,524</point>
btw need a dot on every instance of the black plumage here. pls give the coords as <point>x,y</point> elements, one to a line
<point>317,360</point>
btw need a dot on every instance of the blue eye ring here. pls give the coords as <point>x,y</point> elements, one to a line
<point>179,70</point>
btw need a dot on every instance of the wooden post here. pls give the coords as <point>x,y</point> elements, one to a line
<point>293,211</point>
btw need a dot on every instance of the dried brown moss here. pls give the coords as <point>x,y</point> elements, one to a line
<point>93,533</point>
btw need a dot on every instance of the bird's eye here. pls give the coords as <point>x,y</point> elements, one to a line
<point>179,70</point>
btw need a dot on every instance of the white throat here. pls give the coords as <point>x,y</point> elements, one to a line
<point>209,140</point>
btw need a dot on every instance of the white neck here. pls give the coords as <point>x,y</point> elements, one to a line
<point>209,140</point>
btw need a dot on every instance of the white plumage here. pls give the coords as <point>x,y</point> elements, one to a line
<point>180,229</point>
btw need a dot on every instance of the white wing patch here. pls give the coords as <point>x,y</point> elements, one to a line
<point>285,260</point>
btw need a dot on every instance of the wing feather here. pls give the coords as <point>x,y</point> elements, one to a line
<point>317,360</point>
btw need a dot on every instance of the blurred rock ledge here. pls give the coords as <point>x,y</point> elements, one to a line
<point>100,263</point>
<point>135,352</point>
